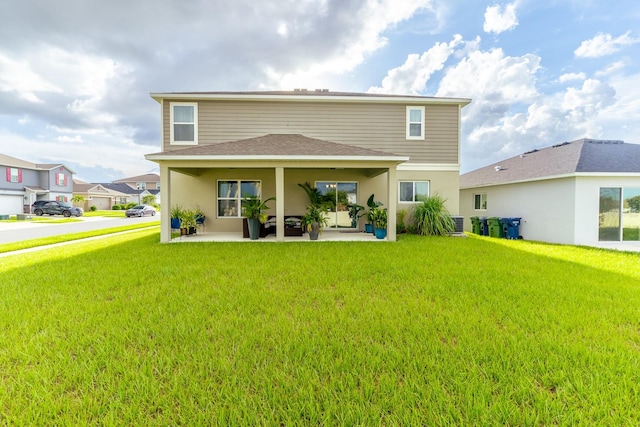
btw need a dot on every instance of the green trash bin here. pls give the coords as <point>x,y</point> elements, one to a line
<point>495,227</point>
<point>475,225</point>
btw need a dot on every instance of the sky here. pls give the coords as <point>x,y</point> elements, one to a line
<point>75,76</point>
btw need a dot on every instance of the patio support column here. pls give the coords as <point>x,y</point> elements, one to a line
<point>393,204</point>
<point>280,204</point>
<point>165,204</point>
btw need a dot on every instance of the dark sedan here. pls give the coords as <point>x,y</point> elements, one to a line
<point>140,210</point>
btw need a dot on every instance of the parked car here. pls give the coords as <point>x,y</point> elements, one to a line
<point>140,210</point>
<point>51,207</point>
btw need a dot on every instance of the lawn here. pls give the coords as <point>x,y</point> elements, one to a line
<point>424,331</point>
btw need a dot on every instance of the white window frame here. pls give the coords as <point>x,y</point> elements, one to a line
<point>238,198</point>
<point>413,190</point>
<point>478,207</point>
<point>409,123</point>
<point>172,124</point>
<point>61,180</point>
<point>14,175</point>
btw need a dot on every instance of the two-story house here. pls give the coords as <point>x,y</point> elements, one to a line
<point>24,182</point>
<point>218,147</point>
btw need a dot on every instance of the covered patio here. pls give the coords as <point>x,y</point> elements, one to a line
<point>280,162</point>
<point>326,236</point>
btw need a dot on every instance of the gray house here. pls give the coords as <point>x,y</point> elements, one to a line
<point>585,192</point>
<point>24,182</point>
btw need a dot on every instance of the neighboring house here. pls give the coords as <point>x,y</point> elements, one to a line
<point>96,195</point>
<point>128,194</point>
<point>217,147</point>
<point>584,192</point>
<point>150,181</point>
<point>22,183</point>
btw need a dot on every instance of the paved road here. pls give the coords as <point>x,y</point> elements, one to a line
<point>27,230</point>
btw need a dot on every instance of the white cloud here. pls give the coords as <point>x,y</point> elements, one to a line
<point>492,76</point>
<point>571,77</point>
<point>376,17</point>
<point>604,44</point>
<point>611,69</point>
<point>412,76</point>
<point>18,76</point>
<point>583,103</point>
<point>497,21</point>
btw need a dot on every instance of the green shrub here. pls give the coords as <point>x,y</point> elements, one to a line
<point>93,208</point>
<point>116,208</point>
<point>432,217</point>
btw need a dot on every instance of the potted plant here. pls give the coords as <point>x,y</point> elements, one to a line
<point>373,205</point>
<point>254,210</point>
<point>379,218</point>
<point>199,216</point>
<point>176,213</point>
<point>187,221</point>
<point>314,220</point>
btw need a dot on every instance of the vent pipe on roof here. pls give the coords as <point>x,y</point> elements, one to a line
<point>498,168</point>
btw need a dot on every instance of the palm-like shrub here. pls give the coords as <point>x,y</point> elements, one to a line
<point>432,217</point>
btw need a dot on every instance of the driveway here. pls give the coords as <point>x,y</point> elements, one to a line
<point>27,230</point>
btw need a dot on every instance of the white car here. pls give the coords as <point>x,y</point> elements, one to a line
<point>140,210</point>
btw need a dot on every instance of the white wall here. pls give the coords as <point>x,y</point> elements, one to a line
<point>546,208</point>
<point>588,204</point>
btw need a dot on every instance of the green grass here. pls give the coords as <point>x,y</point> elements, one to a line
<point>424,331</point>
<point>26,244</point>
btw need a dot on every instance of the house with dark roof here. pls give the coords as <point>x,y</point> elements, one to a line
<point>149,181</point>
<point>218,147</point>
<point>24,182</point>
<point>584,192</point>
<point>98,195</point>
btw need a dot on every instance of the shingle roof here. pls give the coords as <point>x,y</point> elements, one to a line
<point>581,156</point>
<point>120,187</point>
<point>15,162</point>
<point>278,145</point>
<point>19,163</point>
<point>149,177</point>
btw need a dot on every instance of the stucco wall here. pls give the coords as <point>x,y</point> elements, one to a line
<point>547,208</point>
<point>588,201</point>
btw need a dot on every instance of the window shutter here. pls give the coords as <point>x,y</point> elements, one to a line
<point>19,175</point>
<point>8,174</point>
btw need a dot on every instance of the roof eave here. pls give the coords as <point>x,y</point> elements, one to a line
<point>399,99</point>
<point>266,158</point>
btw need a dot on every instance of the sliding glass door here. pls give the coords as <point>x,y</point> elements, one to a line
<point>338,196</point>
<point>619,215</point>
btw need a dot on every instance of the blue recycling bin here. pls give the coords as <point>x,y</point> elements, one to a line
<point>511,227</point>
<point>484,228</point>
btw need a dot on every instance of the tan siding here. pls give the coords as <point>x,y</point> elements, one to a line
<point>373,126</point>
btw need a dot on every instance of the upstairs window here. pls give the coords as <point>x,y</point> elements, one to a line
<point>14,175</point>
<point>415,122</point>
<point>141,185</point>
<point>184,123</point>
<point>61,179</point>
